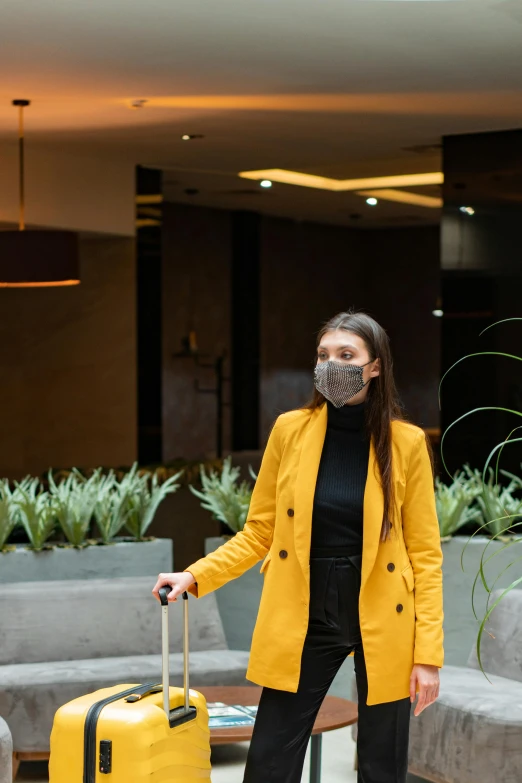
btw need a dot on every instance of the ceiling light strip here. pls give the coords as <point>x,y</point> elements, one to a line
<point>403,197</point>
<point>327,183</point>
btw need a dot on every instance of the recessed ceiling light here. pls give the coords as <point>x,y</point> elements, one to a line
<point>467,210</point>
<point>372,202</point>
<point>437,311</point>
<point>265,183</point>
<point>191,136</point>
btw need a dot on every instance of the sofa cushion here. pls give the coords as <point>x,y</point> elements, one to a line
<point>501,652</point>
<point>31,693</point>
<point>471,733</point>
<point>6,753</point>
<point>98,618</point>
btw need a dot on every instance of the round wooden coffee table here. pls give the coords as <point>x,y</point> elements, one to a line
<point>333,714</point>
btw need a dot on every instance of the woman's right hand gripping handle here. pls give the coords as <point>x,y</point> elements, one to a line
<point>179,582</point>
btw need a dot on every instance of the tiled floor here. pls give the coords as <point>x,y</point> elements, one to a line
<point>228,762</point>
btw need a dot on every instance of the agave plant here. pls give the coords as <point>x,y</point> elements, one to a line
<point>35,509</point>
<point>75,500</point>
<point>111,510</point>
<point>517,480</point>
<point>228,501</point>
<point>454,503</point>
<point>496,503</point>
<point>508,518</point>
<point>8,512</point>
<point>142,500</point>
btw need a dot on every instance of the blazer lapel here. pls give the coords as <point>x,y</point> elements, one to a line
<point>373,509</point>
<point>307,470</point>
<point>305,484</point>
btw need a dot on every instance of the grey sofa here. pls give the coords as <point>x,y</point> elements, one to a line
<point>473,732</point>
<point>63,639</point>
<point>6,753</point>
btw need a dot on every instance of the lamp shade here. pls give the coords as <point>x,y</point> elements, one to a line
<point>38,258</point>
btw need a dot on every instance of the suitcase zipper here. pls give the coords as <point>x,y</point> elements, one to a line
<point>91,720</point>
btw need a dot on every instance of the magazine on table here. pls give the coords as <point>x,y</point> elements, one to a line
<point>221,715</point>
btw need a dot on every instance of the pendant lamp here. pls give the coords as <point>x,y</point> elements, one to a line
<point>38,258</point>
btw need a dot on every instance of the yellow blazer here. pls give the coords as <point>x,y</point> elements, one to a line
<point>400,607</point>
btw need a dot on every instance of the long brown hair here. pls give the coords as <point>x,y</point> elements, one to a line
<point>382,402</point>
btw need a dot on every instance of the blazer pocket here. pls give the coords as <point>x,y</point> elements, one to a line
<point>265,562</point>
<point>408,577</point>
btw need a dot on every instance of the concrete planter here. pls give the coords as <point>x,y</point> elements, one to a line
<point>213,542</point>
<point>460,626</point>
<point>122,558</point>
<point>238,600</point>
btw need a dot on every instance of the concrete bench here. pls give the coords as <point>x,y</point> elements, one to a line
<point>63,639</point>
<point>473,732</point>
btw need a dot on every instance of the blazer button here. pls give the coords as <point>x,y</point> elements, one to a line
<point>399,607</point>
<point>391,567</point>
<point>283,553</point>
<point>290,512</point>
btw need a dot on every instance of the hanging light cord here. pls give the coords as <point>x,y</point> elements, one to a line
<point>21,105</point>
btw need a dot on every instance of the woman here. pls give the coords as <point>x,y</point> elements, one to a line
<point>343,513</point>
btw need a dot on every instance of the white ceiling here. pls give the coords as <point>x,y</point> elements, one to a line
<point>340,88</point>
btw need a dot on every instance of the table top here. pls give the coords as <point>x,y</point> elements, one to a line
<point>334,713</point>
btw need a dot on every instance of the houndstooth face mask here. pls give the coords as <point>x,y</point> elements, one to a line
<point>339,382</point>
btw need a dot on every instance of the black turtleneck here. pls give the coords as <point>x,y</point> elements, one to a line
<point>337,519</point>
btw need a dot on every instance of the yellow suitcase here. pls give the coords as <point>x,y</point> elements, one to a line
<point>134,733</point>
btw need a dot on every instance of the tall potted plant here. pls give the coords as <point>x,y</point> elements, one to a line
<point>228,500</point>
<point>454,504</point>
<point>503,524</point>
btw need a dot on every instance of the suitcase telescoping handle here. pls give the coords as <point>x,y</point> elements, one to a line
<point>163,593</point>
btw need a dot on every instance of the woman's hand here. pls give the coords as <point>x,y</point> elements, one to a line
<point>428,678</point>
<point>179,582</point>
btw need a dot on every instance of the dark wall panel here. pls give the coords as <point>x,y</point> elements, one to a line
<point>309,273</point>
<point>149,320</point>
<point>482,274</point>
<point>261,287</point>
<point>196,296</point>
<point>245,330</point>
<point>401,288</point>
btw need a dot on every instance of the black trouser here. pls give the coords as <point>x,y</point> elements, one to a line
<point>285,720</point>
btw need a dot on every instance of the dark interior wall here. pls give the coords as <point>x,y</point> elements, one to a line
<point>149,315</point>
<point>482,171</point>
<point>245,335</point>
<point>481,262</point>
<point>68,366</point>
<point>401,288</point>
<point>309,272</point>
<point>196,296</point>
